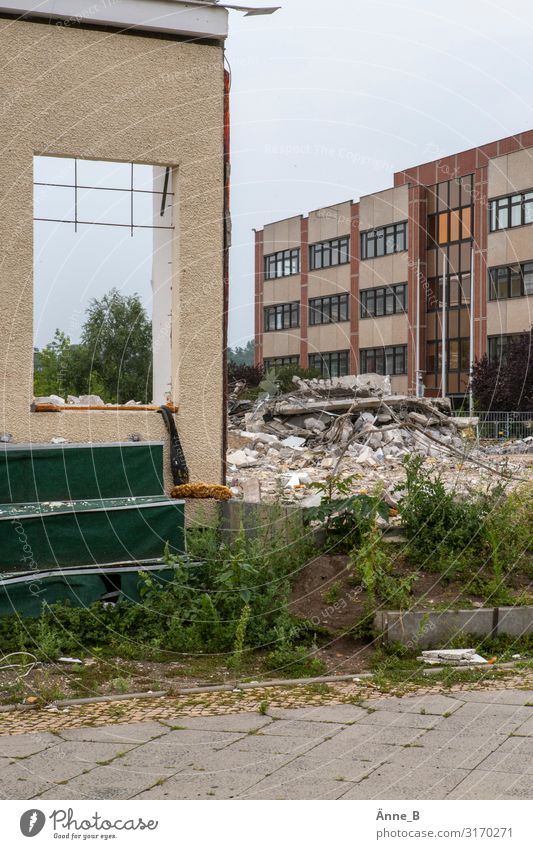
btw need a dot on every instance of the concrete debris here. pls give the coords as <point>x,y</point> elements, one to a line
<point>58,440</point>
<point>451,657</point>
<point>90,401</point>
<point>353,426</point>
<point>6,437</point>
<point>50,399</point>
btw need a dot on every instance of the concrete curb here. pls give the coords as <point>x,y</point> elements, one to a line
<point>433,628</point>
<point>238,686</point>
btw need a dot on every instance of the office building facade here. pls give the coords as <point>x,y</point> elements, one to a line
<point>376,285</point>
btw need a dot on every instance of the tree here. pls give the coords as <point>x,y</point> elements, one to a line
<point>113,360</point>
<point>117,336</point>
<point>506,384</point>
<point>242,356</point>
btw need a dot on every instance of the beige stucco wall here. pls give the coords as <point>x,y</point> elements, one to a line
<point>384,270</point>
<point>512,245</point>
<point>282,290</point>
<point>388,330</point>
<point>510,173</point>
<point>329,337</point>
<point>282,235</point>
<point>75,92</point>
<point>382,208</point>
<point>329,222</point>
<point>281,343</point>
<point>329,281</point>
<point>510,316</point>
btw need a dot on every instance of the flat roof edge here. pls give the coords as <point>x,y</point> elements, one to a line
<point>171,17</point>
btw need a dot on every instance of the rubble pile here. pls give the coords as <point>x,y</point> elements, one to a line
<point>326,419</point>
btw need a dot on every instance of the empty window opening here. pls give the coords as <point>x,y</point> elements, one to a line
<point>102,280</point>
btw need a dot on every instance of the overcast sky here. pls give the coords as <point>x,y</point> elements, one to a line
<point>329,98</point>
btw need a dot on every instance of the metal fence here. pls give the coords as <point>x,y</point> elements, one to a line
<point>502,425</point>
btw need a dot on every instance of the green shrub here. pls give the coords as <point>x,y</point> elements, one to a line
<point>344,516</point>
<point>295,662</point>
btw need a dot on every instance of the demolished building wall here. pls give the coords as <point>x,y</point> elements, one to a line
<point>87,92</point>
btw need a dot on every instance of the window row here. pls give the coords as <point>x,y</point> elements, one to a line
<point>331,363</point>
<point>385,300</point>
<point>454,225</point>
<point>282,264</point>
<point>457,291</point>
<point>511,211</point>
<point>282,316</point>
<point>389,360</point>
<point>329,310</point>
<point>511,281</point>
<point>384,240</point>
<point>457,356</point>
<point>326,254</point>
<point>499,346</point>
<point>273,363</point>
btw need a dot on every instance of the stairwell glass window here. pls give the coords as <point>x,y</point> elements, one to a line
<point>384,240</point>
<point>282,316</point>
<point>327,254</point>
<point>511,211</point>
<point>282,264</point>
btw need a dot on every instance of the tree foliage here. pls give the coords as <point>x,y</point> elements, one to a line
<point>242,355</point>
<point>506,384</point>
<point>113,359</point>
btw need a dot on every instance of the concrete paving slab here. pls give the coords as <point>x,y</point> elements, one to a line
<point>508,697</point>
<point>467,740</point>
<point>302,728</point>
<point>526,728</point>
<point>392,782</point>
<point>236,722</point>
<point>203,786</point>
<point>336,714</point>
<point>109,782</point>
<point>482,784</point>
<point>22,745</point>
<point>400,720</point>
<point>443,758</point>
<point>268,743</point>
<point>429,704</point>
<point>135,732</point>
<point>273,789</point>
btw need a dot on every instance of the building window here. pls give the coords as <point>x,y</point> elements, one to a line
<point>457,356</point>
<point>274,363</point>
<point>454,225</point>
<point>329,310</point>
<point>282,264</point>
<point>457,291</point>
<point>511,211</point>
<point>326,254</point>
<point>282,316</point>
<point>511,281</point>
<point>384,240</point>
<point>389,360</point>
<point>499,346</point>
<point>331,363</point>
<point>385,300</point>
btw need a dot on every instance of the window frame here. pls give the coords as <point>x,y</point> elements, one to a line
<point>381,356</point>
<point>279,261</point>
<point>506,205</point>
<point>396,291</point>
<point>380,237</point>
<point>273,363</point>
<point>321,309</point>
<point>340,246</point>
<point>502,276</point>
<point>323,362</point>
<point>286,315</point>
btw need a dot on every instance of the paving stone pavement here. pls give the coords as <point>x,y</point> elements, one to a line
<point>462,745</point>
